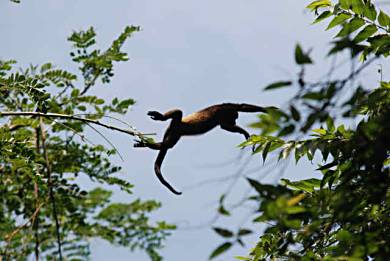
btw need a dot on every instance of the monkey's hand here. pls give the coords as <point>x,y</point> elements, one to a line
<point>155,115</point>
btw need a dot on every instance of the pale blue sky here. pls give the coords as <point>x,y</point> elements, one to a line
<point>189,54</point>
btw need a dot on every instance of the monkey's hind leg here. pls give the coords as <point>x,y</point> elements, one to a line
<point>236,129</point>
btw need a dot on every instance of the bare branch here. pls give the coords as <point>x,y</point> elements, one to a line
<point>71,117</point>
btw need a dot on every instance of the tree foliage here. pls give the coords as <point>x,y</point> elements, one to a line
<point>45,210</point>
<point>343,126</point>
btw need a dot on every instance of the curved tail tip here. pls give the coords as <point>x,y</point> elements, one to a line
<point>176,192</point>
<point>163,181</point>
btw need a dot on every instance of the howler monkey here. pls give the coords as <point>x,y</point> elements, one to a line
<point>200,122</point>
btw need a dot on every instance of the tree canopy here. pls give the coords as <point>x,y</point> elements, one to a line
<point>45,211</point>
<point>343,126</point>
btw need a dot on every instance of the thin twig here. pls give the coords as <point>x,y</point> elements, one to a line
<point>106,116</point>
<point>75,132</point>
<point>90,84</point>
<point>31,220</point>
<point>107,140</point>
<point>69,84</point>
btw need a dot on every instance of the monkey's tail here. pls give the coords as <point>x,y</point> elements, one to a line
<point>163,181</point>
<point>157,170</point>
<point>244,107</point>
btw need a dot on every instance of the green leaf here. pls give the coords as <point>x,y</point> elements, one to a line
<point>287,130</point>
<point>357,6</point>
<point>345,4</point>
<point>351,27</point>
<point>320,131</point>
<point>82,108</point>
<point>338,20</point>
<point>308,185</point>
<point>328,166</point>
<point>276,85</point>
<point>220,249</point>
<point>262,189</point>
<point>365,33</point>
<point>266,149</point>
<point>322,16</point>
<point>99,101</point>
<point>383,19</point>
<point>244,232</point>
<point>223,211</point>
<point>223,232</point>
<point>318,4</point>
<point>301,57</point>
<point>313,96</point>
<point>330,124</point>
<point>295,113</point>
<point>370,11</point>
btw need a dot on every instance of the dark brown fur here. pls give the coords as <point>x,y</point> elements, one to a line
<point>200,122</point>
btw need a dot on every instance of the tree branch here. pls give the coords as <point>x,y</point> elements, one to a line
<point>31,220</point>
<point>35,221</point>
<point>50,185</point>
<point>71,117</point>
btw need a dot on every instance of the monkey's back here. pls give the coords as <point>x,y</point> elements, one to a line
<point>207,118</point>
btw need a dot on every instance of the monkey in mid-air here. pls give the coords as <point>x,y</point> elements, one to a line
<point>197,123</point>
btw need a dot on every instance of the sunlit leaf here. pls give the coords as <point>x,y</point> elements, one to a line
<point>318,4</point>
<point>340,18</point>
<point>383,19</point>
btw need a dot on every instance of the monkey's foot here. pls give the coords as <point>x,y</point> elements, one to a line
<point>139,144</point>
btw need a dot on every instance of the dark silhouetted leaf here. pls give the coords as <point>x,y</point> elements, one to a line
<point>221,249</point>
<point>295,113</point>
<point>244,232</point>
<point>322,16</point>
<point>223,232</point>
<point>277,85</point>
<point>301,57</point>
